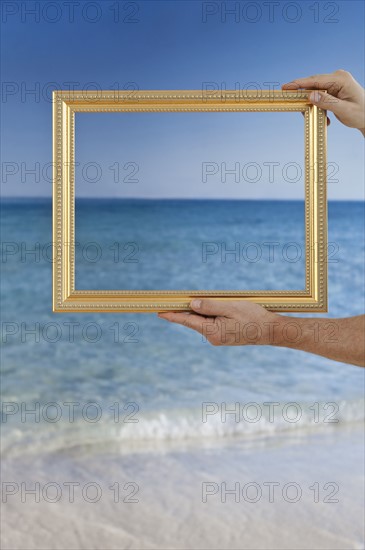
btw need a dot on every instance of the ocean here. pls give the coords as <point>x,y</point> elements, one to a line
<point>133,381</point>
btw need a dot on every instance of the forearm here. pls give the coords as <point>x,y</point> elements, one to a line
<point>242,323</point>
<point>338,339</point>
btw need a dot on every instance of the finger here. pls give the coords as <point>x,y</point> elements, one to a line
<point>326,101</point>
<point>329,82</point>
<point>213,307</point>
<point>190,320</point>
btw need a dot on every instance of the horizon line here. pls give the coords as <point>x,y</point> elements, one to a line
<point>274,199</point>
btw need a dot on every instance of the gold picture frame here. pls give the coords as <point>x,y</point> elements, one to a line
<point>65,104</point>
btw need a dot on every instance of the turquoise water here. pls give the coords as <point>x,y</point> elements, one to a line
<point>140,366</point>
<point>189,244</point>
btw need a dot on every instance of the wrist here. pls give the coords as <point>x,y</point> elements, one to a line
<point>272,330</point>
<point>290,332</point>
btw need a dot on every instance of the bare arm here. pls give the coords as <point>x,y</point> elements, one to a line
<point>234,323</point>
<point>338,339</point>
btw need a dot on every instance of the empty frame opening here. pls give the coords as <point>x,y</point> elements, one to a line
<point>189,201</point>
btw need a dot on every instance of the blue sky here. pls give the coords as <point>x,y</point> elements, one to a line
<point>173,45</point>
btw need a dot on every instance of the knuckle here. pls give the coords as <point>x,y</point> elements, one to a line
<point>343,73</point>
<point>215,339</point>
<point>215,342</point>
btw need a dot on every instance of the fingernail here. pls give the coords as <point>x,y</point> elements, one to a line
<point>315,97</point>
<point>196,304</point>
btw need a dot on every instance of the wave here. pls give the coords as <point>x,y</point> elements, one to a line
<point>216,421</point>
<point>210,422</point>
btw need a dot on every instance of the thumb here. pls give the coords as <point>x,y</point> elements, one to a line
<point>329,102</point>
<point>213,307</point>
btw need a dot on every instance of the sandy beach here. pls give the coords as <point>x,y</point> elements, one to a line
<point>304,491</point>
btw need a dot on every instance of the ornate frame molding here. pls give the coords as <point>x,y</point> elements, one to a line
<point>65,104</point>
